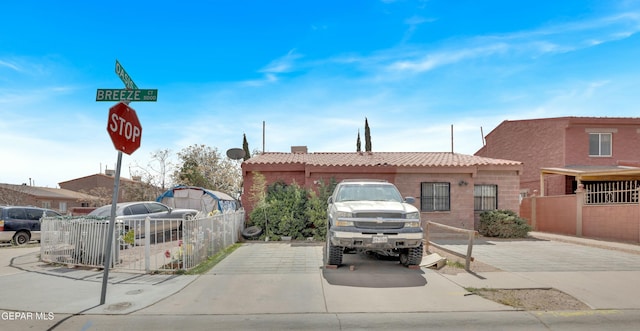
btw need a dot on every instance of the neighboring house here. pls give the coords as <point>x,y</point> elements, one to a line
<point>449,188</point>
<point>560,153</point>
<point>101,185</point>
<point>60,200</point>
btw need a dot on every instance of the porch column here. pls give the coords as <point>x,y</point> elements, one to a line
<point>579,204</point>
<point>534,226</point>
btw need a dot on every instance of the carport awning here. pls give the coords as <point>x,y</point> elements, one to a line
<point>592,173</point>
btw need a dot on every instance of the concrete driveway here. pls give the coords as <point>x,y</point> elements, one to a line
<point>268,278</point>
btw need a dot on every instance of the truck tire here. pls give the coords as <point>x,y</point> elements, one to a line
<point>334,254</point>
<point>411,256</point>
<point>251,232</point>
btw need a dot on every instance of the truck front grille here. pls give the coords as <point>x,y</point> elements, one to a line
<point>378,215</point>
<point>380,226</point>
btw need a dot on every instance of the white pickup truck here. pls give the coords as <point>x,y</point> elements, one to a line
<point>371,215</point>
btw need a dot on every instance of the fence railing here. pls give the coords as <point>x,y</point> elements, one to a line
<point>471,234</point>
<point>619,192</point>
<point>141,245</point>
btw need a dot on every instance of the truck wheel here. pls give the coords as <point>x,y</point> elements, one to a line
<point>334,254</point>
<point>411,256</point>
<point>21,238</point>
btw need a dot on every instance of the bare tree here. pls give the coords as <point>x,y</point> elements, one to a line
<point>103,195</point>
<point>152,178</point>
<point>203,166</point>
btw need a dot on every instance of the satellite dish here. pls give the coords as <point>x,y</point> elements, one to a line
<point>235,153</point>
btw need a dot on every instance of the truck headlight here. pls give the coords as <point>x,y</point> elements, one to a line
<point>412,224</point>
<point>343,223</point>
<point>415,215</point>
<point>343,214</point>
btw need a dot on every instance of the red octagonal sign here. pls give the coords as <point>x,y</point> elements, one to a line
<point>124,128</point>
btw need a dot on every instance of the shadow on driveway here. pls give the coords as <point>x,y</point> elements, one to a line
<point>371,272</point>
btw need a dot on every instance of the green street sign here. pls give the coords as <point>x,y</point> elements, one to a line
<point>118,95</point>
<point>124,76</point>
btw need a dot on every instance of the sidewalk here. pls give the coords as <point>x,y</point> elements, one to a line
<point>43,287</point>
<point>601,274</point>
<point>289,278</point>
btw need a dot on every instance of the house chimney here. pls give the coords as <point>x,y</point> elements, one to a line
<point>299,149</point>
<point>136,178</point>
<point>109,172</point>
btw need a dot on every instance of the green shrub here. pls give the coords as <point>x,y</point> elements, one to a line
<point>503,224</point>
<point>316,213</point>
<point>290,210</point>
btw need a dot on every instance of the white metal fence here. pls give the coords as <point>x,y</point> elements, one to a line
<point>142,245</point>
<point>620,192</point>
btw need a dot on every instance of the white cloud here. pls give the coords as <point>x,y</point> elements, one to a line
<point>9,65</point>
<point>283,64</point>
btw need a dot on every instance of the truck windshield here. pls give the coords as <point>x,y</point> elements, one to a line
<point>368,192</point>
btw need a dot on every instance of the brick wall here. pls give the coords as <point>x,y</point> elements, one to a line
<point>558,214</point>
<point>536,143</point>
<point>618,222</point>
<point>625,142</point>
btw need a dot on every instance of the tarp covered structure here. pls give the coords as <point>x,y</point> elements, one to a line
<point>199,198</point>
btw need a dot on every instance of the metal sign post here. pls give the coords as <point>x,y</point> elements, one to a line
<point>112,226</point>
<point>125,131</point>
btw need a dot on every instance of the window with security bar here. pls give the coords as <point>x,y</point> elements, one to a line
<point>435,197</point>
<point>485,197</point>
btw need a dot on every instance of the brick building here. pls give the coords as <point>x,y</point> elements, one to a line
<point>101,185</point>
<point>559,153</point>
<point>449,188</point>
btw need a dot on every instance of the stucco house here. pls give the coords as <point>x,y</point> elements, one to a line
<point>560,153</point>
<point>449,188</point>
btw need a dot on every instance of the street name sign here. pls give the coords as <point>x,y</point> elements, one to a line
<point>118,95</point>
<point>124,128</point>
<point>126,79</point>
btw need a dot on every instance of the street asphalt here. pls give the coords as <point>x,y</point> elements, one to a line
<point>284,285</point>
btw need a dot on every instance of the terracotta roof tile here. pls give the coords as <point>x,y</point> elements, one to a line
<point>396,159</point>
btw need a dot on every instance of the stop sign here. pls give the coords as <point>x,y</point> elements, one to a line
<point>124,128</point>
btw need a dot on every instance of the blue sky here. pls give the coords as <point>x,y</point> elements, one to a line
<point>311,70</point>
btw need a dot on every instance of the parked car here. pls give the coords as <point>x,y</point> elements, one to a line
<point>21,224</point>
<point>131,216</point>
<point>372,216</point>
<point>133,210</point>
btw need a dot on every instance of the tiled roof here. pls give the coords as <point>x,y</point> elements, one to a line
<point>396,159</point>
